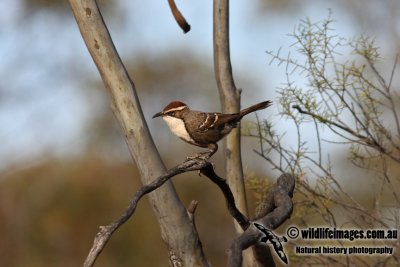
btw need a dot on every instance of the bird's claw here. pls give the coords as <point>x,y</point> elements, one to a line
<point>202,155</point>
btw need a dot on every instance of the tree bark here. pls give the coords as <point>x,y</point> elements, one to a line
<point>230,101</point>
<point>176,228</point>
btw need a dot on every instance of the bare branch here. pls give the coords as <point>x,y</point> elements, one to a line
<point>369,141</point>
<point>192,208</point>
<point>276,207</point>
<point>106,232</point>
<point>393,106</point>
<point>230,200</point>
<point>180,19</point>
<point>193,164</point>
<point>323,120</point>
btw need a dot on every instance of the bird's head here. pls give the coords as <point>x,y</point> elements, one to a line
<point>173,109</point>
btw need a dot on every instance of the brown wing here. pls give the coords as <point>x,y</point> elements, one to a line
<point>203,127</point>
<point>211,119</point>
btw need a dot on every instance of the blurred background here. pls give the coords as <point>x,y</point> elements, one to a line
<point>64,165</point>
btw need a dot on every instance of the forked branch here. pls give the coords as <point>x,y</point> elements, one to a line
<point>276,207</point>
<point>193,164</point>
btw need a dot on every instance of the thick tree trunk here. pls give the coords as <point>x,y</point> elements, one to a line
<point>176,228</point>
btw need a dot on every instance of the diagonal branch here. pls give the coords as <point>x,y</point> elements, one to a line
<point>329,122</point>
<point>369,141</point>
<point>205,167</point>
<point>174,226</point>
<point>242,220</point>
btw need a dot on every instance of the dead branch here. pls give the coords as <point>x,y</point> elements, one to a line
<point>242,220</point>
<point>205,167</point>
<point>276,207</point>
<point>180,19</point>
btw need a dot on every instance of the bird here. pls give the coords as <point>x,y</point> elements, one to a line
<point>203,129</point>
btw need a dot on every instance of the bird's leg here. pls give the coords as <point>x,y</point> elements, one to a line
<point>212,148</point>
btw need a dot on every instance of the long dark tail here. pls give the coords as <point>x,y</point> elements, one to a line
<point>255,107</point>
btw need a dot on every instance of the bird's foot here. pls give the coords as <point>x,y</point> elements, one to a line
<point>202,155</point>
<point>205,155</point>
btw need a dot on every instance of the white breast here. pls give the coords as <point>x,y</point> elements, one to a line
<point>178,128</point>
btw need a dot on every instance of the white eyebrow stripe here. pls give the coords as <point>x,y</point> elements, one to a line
<point>175,109</point>
<point>205,121</point>
<point>215,120</point>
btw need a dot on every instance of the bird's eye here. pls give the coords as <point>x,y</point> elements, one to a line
<point>172,113</point>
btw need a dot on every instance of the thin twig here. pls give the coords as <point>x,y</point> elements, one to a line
<point>365,139</point>
<point>392,103</point>
<point>369,141</point>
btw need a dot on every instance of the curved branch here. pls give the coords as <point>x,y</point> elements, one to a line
<point>242,220</point>
<point>106,232</point>
<point>276,207</point>
<point>180,19</point>
<point>193,164</point>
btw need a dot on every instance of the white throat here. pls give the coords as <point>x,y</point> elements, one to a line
<point>177,126</point>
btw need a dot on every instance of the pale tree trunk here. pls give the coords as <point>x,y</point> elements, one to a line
<point>230,101</point>
<point>176,228</point>
<point>176,223</point>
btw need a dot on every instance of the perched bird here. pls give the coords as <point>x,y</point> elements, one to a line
<point>203,129</point>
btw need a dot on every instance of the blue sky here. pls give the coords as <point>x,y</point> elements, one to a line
<point>42,104</point>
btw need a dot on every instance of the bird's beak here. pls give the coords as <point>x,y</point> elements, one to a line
<point>158,114</point>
